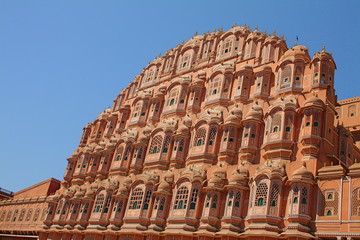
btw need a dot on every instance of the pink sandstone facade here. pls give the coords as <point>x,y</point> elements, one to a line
<point>231,135</point>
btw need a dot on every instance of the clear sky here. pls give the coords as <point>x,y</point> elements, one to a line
<point>63,62</point>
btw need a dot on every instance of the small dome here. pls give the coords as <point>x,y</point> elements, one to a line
<point>314,101</point>
<point>187,120</point>
<point>220,172</point>
<point>239,175</point>
<point>122,191</point>
<point>127,181</point>
<point>296,51</point>
<point>302,173</point>
<point>164,186</point>
<point>215,180</point>
<point>255,112</point>
<point>142,138</point>
<point>323,55</point>
<point>231,119</point>
<point>236,111</point>
<point>147,130</point>
<point>89,193</point>
<point>246,67</point>
<point>169,174</point>
<point>182,129</point>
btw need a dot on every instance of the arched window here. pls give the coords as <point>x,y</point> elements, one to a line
<point>185,62</point>
<point>200,137</point>
<point>99,202</point>
<point>36,215</point>
<point>329,213</point>
<point>330,196</point>
<point>173,96</point>
<point>22,214</point>
<point>226,46</point>
<point>181,198</point>
<point>2,217</point>
<point>214,86</point>
<point>261,194</point>
<point>296,200</point>
<point>352,111</point>
<point>286,77</point>
<point>303,200</point>
<point>136,198</point>
<point>155,145</point>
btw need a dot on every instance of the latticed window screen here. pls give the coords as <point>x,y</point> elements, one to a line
<point>356,202</point>
<point>237,199</point>
<point>295,195</point>
<point>304,195</point>
<point>107,204</point>
<point>212,135</point>
<point>136,198</point>
<point>181,199</point>
<point>166,143</point>
<point>331,203</point>
<point>214,201</point>
<point>230,198</point>
<point>261,194</point>
<point>207,201</point>
<point>139,153</point>
<point>147,199</point>
<point>127,153</point>
<point>274,195</point>
<point>99,203</point>
<point>194,198</point>
<point>162,203</point>
<point>200,137</point>
<point>155,145</point>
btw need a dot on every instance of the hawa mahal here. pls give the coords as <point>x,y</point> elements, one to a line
<point>229,135</point>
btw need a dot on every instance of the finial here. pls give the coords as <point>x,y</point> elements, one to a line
<point>274,33</point>
<point>282,37</point>
<point>234,25</point>
<point>159,55</point>
<point>296,42</point>
<point>196,33</point>
<point>324,48</point>
<point>265,33</point>
<point>182,42</point>
<point>221,29</point>
<point>257,28</point>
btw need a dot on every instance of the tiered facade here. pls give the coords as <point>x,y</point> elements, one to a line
<point>229,135</point>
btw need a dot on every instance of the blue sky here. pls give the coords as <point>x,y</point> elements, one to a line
<point>63,62</point>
